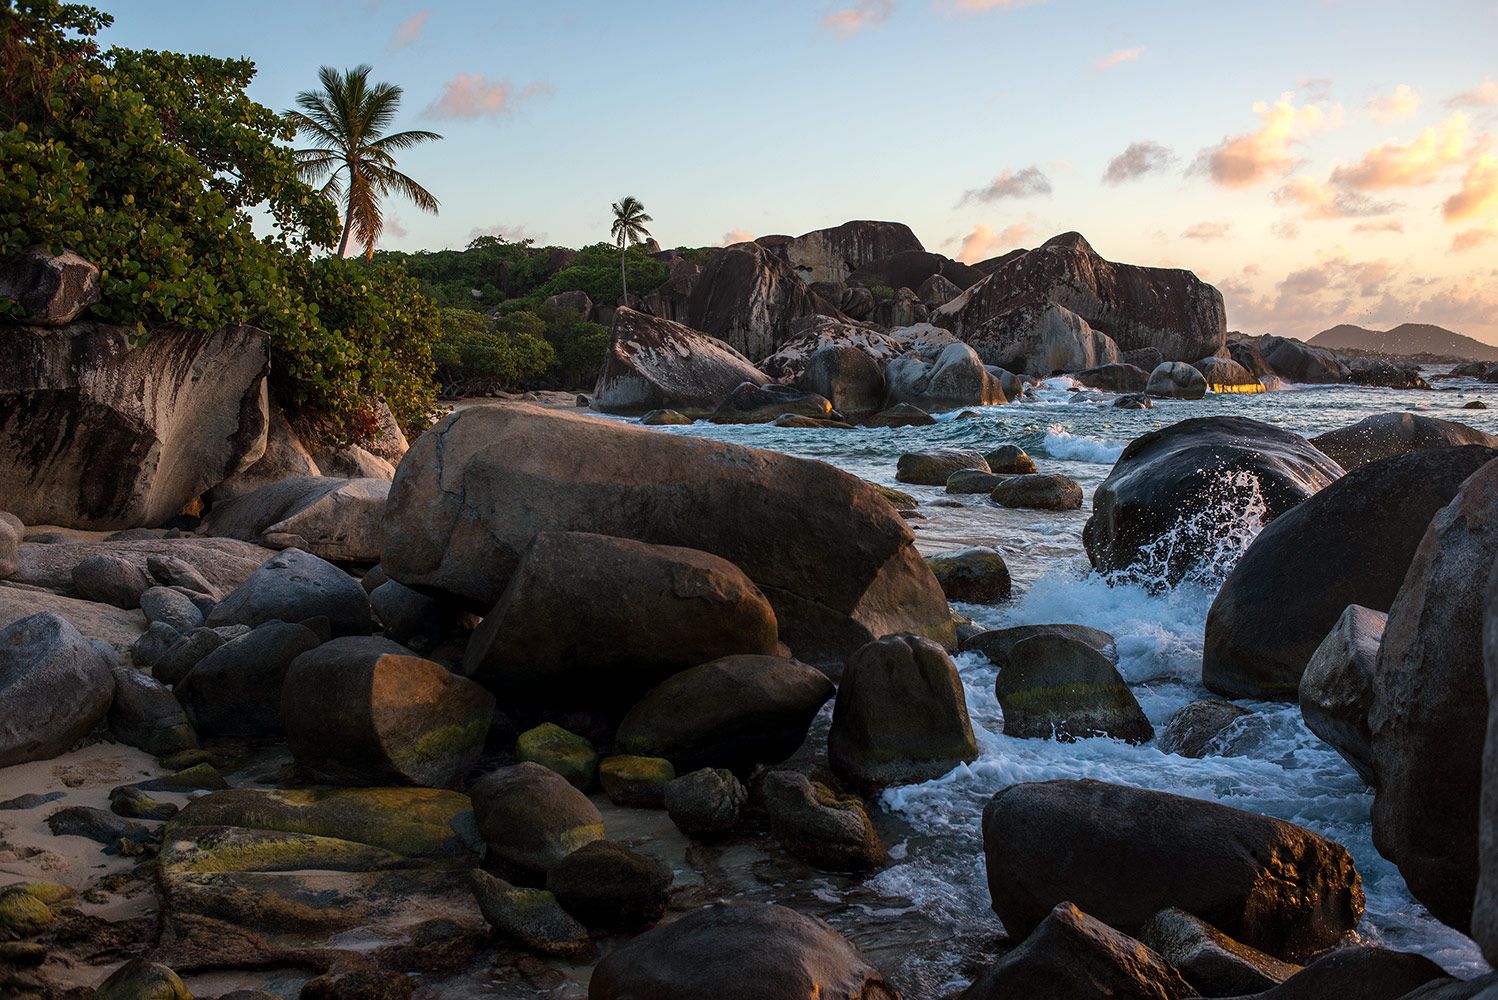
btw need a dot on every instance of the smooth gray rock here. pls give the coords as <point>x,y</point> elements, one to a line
<point>235,690</point>
<point>54,688</point>
<point>1336,691</point>
<point>146,714</point>
<point>294,586</point>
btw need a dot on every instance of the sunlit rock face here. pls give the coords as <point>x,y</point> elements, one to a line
<point>749,297</point>
<point>654,364</point>
<point>1165,308</point>
<point>834,254</point>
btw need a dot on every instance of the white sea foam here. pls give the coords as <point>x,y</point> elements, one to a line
<point>1064,444</point>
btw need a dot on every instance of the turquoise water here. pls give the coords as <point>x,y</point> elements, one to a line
<point>1271,763</point>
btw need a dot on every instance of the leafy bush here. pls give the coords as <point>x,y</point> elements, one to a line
<point>596,271</point>
<point>579,346</point>
<point>882,293</point>
<point>476,355</point>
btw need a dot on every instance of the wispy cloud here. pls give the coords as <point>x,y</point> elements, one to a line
<point>1026,183</point>
<point>1398,106</point>
<point>1484,95</point>
<point>1251,158</point>
<point>735,236</point>
<point>1421,161</point>
<point>1207,231</point>
<point>1471,239</point>
<point>1117,58</point>
<point>1379,226</point>
<point>473,96</point>
<point>506,232</point>
<point>979,6</point>
<point>1323,201</point>
<point>845,22</point>
<point>1139,159</point>
<point>409,30</point>
<point>981,243</point>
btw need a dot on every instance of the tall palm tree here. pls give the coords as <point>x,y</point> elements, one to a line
<point>348,119</point>
<point>629,230</point>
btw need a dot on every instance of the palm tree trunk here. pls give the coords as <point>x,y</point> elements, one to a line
<point>623,281</point>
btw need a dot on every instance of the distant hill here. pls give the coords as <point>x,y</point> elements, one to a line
<point>1405,339</point>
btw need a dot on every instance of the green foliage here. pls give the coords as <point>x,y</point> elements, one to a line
<point>596,271</point>
<point>476,355</point>
<point>495,268</point>
<point>882,293</point>
<point>579,346</point>
<point>150,164</point>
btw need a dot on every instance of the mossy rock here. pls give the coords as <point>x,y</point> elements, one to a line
<point>531,918</point>
<point>202,776</point>
<point>207,850</point>
<point>414,822</point>
<point>50,893</point>
<point>142,980</point>
<point>566,753</point>
<point>22,914</point>
<point>898,499</point>
<point>636,782</point>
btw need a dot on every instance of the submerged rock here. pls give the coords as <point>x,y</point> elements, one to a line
<point>761,404</point>
<point>934,468</point>
<point>901,415</point>
<point>1176,380</point>
<point>1040,491</point>
<point>1054,687</point>
<point>1194,729</point>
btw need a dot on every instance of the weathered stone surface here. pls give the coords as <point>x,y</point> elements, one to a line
<point>997,643</point>
<point>849,378</point>
<point>1385,435</point>
<point>1211,961</point>
<point>933,468</point>
<point>361,710</point>
<point>552,636</point>
<point>900,715</point>
<point>11,530</point>
<point>1041,339</point>
<point>293,586</point>
<point>531,817</point>
<point>352,462</point>
<point>1137,307</point>
<point>1485,906</point>
<point>1194,729</point>
<point>748,951</point>
<point>956,378</point>
<point>819,826</point>
<point>636,782</point>
<point>1429,714</point>
<point>1074,955</point>
<point>1054,687</point>
<point>1176,380</point>
<point>605,884</point>
<point>1124,854</point>
<point>733,712</point>
<point>705,802</point>
<point>553,747</point>
<point>210,566</point>
<point>968,481</point>
<point>1227,375</point>
<point>749,297</point>
<point>1038,491</point>
<point>110,579</point>
<point>337,519</point>
<point>1366,973</point>
<point>759,404</point>
<point>937,291</point>
<point>145,714</point>
<point>976,575</point>
<point>171,607</point>
<point>1010,460</point>
<point>1116,377</point>
<point>654,364</point>
<point>1190,482</point>
<point>531,918</point>
<point>836,562</point>
<point>912,269</point>
<point>577,301</point>
<point>1347,544</point>
<point>97,434</point>
<point>1336,690</point>
<point>236,689</point>
<point>901,415</point>
<point>139,979</point>
<point>666,418</point>
<point>54,688</point>
<point>177,661</point>
<point>285,456</point>
<point>812,334</point>
<point>836,253</point>
<point>51,289</point>
<point>1294,361</point>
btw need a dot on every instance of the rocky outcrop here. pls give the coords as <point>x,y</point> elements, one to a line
<point>835,560</point>
<point>749,297</point>
<point>95,433</point>
<point>552,638</point>
<point>336,519</point>
<point>1385,435</point>
<point>1386,374</point>
<point>1429,714</point>
<point>761,404</point>
<point>937,291</point>
<point>813,334</point>
<point>746,949</point>
<point>1294,361</point>
<point>1124,854</point>
<point>912,269</point>
<point>1336,690</point>
<point>54,688</point>
<point>1348,544</point>
<point>1137,307</point>
<point>1119,377</point>
<point>1176,380</point>
<point>1485,908</point>
<point>1226,375</point>
<point>847,376</point>
<point>834,254</point>
<point>1038,339</point>
<point>50,289</point>
<point>285,456</point>
<point>657,364</point>
<point>957,378</point>
<point>1190,482</point>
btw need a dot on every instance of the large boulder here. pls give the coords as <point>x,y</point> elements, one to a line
<point>749,297</point>
<point>1117,377</point>
<point>654,364</point>
<point>54,688</point>
<point>50,289</point>
<point>285,456</point>
<point>95,433</point>
<point>236,689</point>
<point>1485,910</point>
<point>293,586</point>
<point>1192,483</point>
<point>835,560</point>
<point>761,404</point>
<point>900,715</point>
<point>1227,375</point>
<point>553,636</point>
<point>1386,374</point>
<point>1336,690</point>
<point>362,710</point>
<point>1214,963</point>
<point>1429,714</point>
<point>912,269</point>
<point>1124,854</point>
<point>819,826</point>
<point>1056,687</point>
<point>1349,544</point>
<point>1137,307</point>
<point>146,714</point>
<point>847,376</point>
<point>1040,339</point>
<point>811,334</point>
<point>734,712</point>
<point>1176,380</point>
<point>747,951</point>
<point>531,818</point>
<point>1385,435</point>
<point>836,253</point>
<point>937,291</point>
<point>1294,361</point>
<point>957,378</point>
<point>337,519</point>
<point>1038,491</point>
<point>934,468</point>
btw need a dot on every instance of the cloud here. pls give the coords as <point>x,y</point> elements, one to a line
<point>1420,161</point>
<point>1117,58</point>
<point>1471,239</point>
<point>1484,95</point>
<point>1379,226</point>
<point>1478,197</point>
<point>1322,201</point>
<point>1253,157</point>
<point>979,6</point>
<point>472,96</point>
<point>1139,159</point>
<point>409,30</point>
<point>394,227</point>
<point>845,22</point>
<point>1396,107</point>
<point>1285,229</point>
<point>508,233</point>
<point>981,243</point>
<point>1316,88</point>
<point>1207,231</point>
<point>1027,183</point>
<point>736,236</point>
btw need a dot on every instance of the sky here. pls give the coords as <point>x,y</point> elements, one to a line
<point>1319,161</point>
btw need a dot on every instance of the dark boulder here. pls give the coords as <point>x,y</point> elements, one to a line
<point>956,378</point>
<point>836,253</point>
<point>937,291</point>
<point>1118,377</point>
<point>294,586</point>
<point>912,269</point>
<point>531,817</point>
<point>1336,690</point>
<point>1040,491</point>
<point>706,802</point>
<point>1361,973</point>
<point>760,404</point>
<point>748,297</point>
<point>932,468</point>
<point>849,377</point>
<point>1294,361</point>
<point>1385,435</point>
<point>1176,380</point>
<point>975,575</point>
<point>1054,687</point>
<point>50,289</point>
<point>1249,357</point>
<point>819,826</point>
<point>1147,359</point>
<point>655,364</point>
<point>1124,854</point>
<point>1194,482</point>
<point>1227,375</point>
<point>1215,964</point>
<point>1347,544</point>
<point>1386,374</point>
<point>1194,729</point>
<point>146,714</point>
<point>605,884</point>
<point>901,415</point>
<point>997,643</point>
<point>55,686</point>
<point>1010,460</point>
<point>235,690</point>
<point>1037,339</point>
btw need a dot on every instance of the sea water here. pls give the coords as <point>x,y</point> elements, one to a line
<point>1267,762</point>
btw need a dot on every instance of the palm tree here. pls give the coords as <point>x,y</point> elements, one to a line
<point>348,119</point>
<point>629,230</point>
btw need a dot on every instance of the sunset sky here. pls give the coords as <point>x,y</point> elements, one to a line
<point>1320,161</point>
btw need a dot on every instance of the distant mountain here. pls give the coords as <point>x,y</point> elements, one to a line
<point>1405,339</point>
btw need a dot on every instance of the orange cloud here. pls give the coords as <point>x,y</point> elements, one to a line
<point>1207,231</point>
<point>981,243</point>
<point>1254,157</point>
<point>1381,226</point>
<point>1117,58</point>
<point>472,95</point>
<point>1418,162</point>
<point>1473,238</point>
<point>1322,201</point>
<point>845,22</point>
<point>1396,107</point>
<point>409,29</point>
<point>736,236</point>
<point>1478,197</point>
<point>978,6</point>
<point>1484,95</point>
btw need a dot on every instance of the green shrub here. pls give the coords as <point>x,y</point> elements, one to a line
<point>882,293</point>
<point>596,271</point>
<point>579,346</point>
<point>476,355</point>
